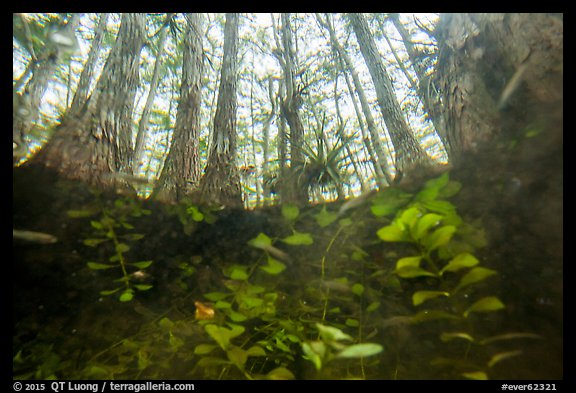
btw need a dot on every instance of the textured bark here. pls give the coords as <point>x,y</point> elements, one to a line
<point>181,171</point>
<point>145,118</point>
<point>97,142</point>
<point>425,88</point>
<point>373,143</point>
<point>409,153</point>
<point>220,184</point>
<point>292,189</point>
<point>82,91</point>
<point>495,64</point>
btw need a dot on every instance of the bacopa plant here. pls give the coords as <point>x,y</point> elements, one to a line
<point>443,262</point>
<point>112,230</point>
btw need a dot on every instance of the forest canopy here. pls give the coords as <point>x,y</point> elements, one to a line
<point>248,109</point>
<point>335,136</point>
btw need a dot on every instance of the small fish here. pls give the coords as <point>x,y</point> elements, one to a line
<point>353,203</point>
<point>513,84</point>
<point>128,178</point>
<point>277,253</point>
<point>34,237</point>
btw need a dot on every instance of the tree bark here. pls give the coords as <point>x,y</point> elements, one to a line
<point>97,142</point>
<point>220,184</point>
<point>181,171</point>
<point>495,64</point>
<point>409,153</point>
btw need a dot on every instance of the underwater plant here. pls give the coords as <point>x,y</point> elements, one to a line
<point>446,272</point>
<point>113,230</point>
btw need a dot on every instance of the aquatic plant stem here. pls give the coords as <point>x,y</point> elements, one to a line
<point>323,271</point>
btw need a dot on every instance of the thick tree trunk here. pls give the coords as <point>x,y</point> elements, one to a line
<point>293,190</point>
<point>220,184</point>
<point>181,171</point>
<point>409,153</point>
<point>97,142</point>
<point>496,64</point>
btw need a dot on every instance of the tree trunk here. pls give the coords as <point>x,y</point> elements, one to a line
<point>292,190</point>
<point>373,143</point>
<point>220,184</point>
<point>181,171</point>
<point>97,142</point>
<point>26,108</point>
<point>491,64</point>
<point>82,91</point>
<point>425,86</point>
<point>145,118</point>
<point>409,153</point>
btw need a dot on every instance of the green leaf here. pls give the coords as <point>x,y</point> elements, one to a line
<point>497,358</point>
<point>299,238</point>
<point>166,324</point>
<point>477,375</point>
<point>122,248</point>
<point>509,336</point>
<point>141,264</point>
<point>388,202</point>
<point>325,218</point>
<point>280,373</point>
<point>203,349</point>
<point>290,212</point>
<point>373,306</point>
<point>360,350</point>
<point>221,305</point>
<point>93,242</point>
<point>223,335</point>
<point>329,333</point>
<point>420,297</point>
<point>134,236</point>
<point>445,337</point>
<point>99,266</point>
<point>256,350</point>
<point>409,267</point>
<point>196,215</point>
<point>409,217</point>
<point>236,316</point>
<point>273,267</point>
<point>237,355</point>
<point>109,292</point>
<point>250,301</point>
<point>460,261</point>
<point>96,224</point>
<point>261,241</point>
<point>451,189</point>
<point>439,237</point>
<point>487,304</point>
<point>352,322</point>
<point>358,289</point>
<point>315,352</point>
<point>127,295</point>
<point>143,287</point>
<point>215,296</point>
<point>237,272</point>
<point>392,233</point>
<point>424,224</point>
<point>443,207</point>
<point>475,275</point>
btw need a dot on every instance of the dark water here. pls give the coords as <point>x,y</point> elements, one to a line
<point>281,293</point>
